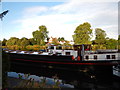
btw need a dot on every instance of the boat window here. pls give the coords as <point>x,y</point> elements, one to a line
<point>113,57</point>
<point>107,56</point>
<point>87,57</point>
<point>67,53</point>
<point>52,47</point>
<point>95,56</point>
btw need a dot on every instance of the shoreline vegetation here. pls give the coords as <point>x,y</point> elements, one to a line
<point>82,35</point>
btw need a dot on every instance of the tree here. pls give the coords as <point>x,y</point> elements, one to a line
<point>32,41</point>
<point>12,41</point>
<point>82,34</point>
<point>24,42</point>
<point>37,36</point>
<point>67,43</point>
<point>19,42</point>
<point>4,42</point>
<point>24,38</point>
<point>29,47</point>
<point>100,36</point>
<point>61,39</point>
<point>40,35</point>
<point>111,44</point>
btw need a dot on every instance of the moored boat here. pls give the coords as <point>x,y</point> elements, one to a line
<point>79,58</point>
<point>79,55</point>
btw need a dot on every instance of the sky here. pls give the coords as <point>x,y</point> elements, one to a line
<point>60,17</point>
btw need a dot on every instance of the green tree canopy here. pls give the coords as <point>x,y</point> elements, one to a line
<point>32,41</point>
<point>40,35</point>
<point>12,41</point>
<point>111,44</point>
<point>24,42</point>
<point>82,34</point>
<point>100,36</point>
<point>61,39</point>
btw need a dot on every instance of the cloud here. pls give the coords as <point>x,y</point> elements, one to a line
<point>33,11</point>
<point>61,20</point>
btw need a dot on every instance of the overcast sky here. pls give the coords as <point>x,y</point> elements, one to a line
<point>61,18</point>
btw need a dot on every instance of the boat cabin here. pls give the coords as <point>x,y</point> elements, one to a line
<point>85,53</point>
<point>77,52</point>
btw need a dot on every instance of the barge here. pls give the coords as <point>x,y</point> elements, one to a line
<point>80,58</point>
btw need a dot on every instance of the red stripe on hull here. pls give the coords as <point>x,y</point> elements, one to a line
<point>76,63</point>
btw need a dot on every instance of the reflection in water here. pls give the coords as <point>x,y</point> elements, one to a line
<point>49,81</point>
<point>83,78</point>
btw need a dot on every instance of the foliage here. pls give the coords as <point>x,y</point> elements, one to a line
<point>29,47</point>
<point>16,47</point>
<point>36,47</point>
<point>13,47</point>
<point>40,35</point>
<point>19,42</point>
<point>82,34</point>
<point>96,47</point>
<point>100,36</point>
<point>111,44</point>
<point>61,39</point>
<point>12,41</point>
<point>4,42</point>
<point>24,43</point>
<point>32,41</point>
<point>67,43</point>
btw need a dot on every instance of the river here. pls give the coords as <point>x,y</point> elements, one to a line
<point>72,79</point>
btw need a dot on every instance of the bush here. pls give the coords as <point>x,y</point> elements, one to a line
<point>29,47</point>
<point>36,47</point>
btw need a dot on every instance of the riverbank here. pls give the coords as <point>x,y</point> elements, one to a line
<point>21,83</point>
<point>31,83</point>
